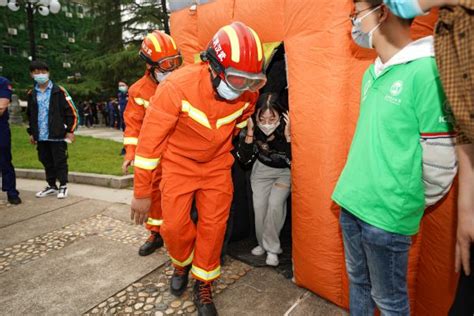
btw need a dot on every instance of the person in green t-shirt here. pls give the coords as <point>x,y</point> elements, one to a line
<point>401,160</point>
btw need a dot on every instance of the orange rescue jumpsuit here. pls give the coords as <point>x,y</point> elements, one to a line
<point>139,96</point>
<point>197,129</point>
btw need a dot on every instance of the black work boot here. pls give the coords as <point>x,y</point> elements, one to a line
<point>179,280</point>
<point>151,244</point>
<point>202,298</point>
<point>14,200</point>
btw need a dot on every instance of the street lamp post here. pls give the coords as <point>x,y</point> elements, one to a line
<point>43,7</point>
<point>165,16</point>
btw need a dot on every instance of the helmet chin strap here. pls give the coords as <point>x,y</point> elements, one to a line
<point>152,74</point>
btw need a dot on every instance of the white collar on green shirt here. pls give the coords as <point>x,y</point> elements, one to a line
<point>421,48</point>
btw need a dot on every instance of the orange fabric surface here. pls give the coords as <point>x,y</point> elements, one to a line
<point>156,212</point>
<point>210,185</point>
<point>191,131</point>
<point>142,90</point>
<point>325,70</point>
<point>185,118</point>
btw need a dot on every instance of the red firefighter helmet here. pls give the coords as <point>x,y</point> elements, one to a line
<point>159,50</point>
<point>235,53</point>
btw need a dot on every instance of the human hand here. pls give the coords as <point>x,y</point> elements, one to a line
<point>126,164</point>
<point>250,127</point>
<point>464,239</point>
<point>70,137</point>
<point>139,210</point>
<point>286,117</point>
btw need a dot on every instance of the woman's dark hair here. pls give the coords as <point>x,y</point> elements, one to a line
<point>38,65</point>
<point>268,102</point>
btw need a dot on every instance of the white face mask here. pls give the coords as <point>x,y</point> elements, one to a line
<point>41,78</point>
<point>161,76</point>
<point>268,129</point>
<point>227,92</point>
<point>361,38</point>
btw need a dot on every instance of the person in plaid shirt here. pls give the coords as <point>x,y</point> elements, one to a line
<point>454,38</point>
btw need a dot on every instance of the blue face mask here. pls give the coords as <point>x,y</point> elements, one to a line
<point>41,78</point>
<point>227,92</point>
<point>406,9</point>
<point>361,38</point>
<point>123,89</point>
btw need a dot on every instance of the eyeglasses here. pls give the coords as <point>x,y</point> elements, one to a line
<point>353,15</point>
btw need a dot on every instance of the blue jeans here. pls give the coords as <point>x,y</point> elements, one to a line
<point>377,263</point>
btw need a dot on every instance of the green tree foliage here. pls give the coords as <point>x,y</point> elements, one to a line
<point>107,42</point>
<point>117,59</point>
<point>56,49</point>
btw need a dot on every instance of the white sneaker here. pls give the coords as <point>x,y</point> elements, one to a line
<point>47,192</point>
<point>272,259</point>
<point>258,251</point>
<point>62,193</point>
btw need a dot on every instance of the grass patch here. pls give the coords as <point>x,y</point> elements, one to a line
<point>86,154</point>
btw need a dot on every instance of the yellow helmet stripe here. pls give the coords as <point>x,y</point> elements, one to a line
<point>172,41</point>
<point>259,44</point>
<point>234,42</point>
<point>155,42</point>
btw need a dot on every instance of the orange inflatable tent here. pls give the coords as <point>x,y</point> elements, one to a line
<point>325,70</point>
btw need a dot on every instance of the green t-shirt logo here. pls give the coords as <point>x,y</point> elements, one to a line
<point>396,88</point>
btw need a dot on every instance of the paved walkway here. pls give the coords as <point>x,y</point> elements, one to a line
<point>78,256</point>
<point>102,133</point>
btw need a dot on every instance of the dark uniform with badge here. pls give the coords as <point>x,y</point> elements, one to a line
<point>6,166</point>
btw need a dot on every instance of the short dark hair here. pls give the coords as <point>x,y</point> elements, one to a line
<point>38,65</point>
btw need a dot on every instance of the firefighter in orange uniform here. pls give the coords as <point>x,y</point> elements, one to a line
<point>162,57</point>
<point>188,130</point>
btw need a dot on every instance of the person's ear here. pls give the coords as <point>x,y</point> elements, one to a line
<point>384,12</point>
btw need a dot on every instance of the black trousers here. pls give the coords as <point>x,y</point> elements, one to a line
<point>7,171</point>
<point>464,302</point>
<point>53,156</point>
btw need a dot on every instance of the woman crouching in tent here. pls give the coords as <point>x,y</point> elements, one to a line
<point>268,142</point>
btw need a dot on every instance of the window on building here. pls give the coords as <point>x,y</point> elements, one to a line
<point>9,50</point>
<point>12,31</point>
